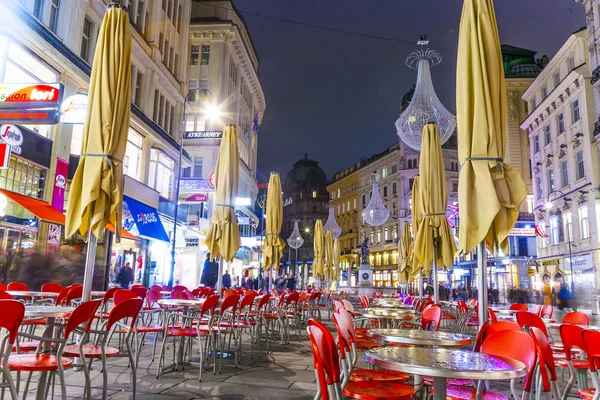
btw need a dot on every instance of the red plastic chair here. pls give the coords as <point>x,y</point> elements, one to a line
<point>51,287</point>
<point>591,339</point>
<point>5,296</point>
<point>17,286</point>
<point>545,361</point>
<point>519,307</point>
<point>546,311</point>
<point>501,326</point>
<point>179,295</point>
<point>12,315</point>
<point>2,287</point>
<point>576,318</point>
<point>156,287</point>
<point>261,317</point>
<point>430,319</point>
<point>152,298</point>
<point>123,294</point>
<point>525,318</point>
<point>492,315</point>
<point>179,288</point>
<point>74,294</point>
<point>327,366</point>
<point>139,290</point>
<point>572,339</point>
<point>137,286</point>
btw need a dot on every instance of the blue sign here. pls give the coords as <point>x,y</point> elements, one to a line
<point>144,218</point>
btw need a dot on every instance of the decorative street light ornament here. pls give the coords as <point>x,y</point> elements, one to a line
<point>331,225</point>
<point>295,240</point>
<point>375,214</point>
<point>424,107</point>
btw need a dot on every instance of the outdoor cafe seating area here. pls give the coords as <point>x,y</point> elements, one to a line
<point>396,347</point>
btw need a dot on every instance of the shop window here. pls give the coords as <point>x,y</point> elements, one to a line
<point>584,226</point>
<point>133,155</point>
<point>314,194</point>
<point>23,177</point>
<point>205,54</point>
<point>21,65</point>
<point>86,39</point>
<point>161,173</point>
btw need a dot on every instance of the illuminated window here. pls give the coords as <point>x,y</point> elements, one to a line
<point>194,54</point>
<point>161,173</point>
<point>205,54</point>
<point>133,155</point>
<point>584,227</point>
<point>314,194</point>
<point>23,177</point>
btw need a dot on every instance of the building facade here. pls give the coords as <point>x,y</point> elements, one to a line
<point>55,46</point>
<point>565,165</point>
<point>305,199</point>
<point>222,59</point>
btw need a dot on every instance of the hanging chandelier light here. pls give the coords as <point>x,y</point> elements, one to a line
<point>295,240</point>
<point>331,224</point>
<point>424,107</point>
<point>375,214</point>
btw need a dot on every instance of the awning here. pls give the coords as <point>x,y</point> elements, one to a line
<point>39,208</point>
<point>124,233</point>
<point>142,220</point>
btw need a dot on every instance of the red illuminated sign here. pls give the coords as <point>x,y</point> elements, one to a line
<point>28,95</point>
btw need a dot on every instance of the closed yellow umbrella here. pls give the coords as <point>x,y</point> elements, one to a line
<point>433,240</point>
<point>319,249</point>
<point>273,245</point>
<point>404,250</point>
<point>223,237</point>
<point>417,215</point>
<point>336,260</point>
<point>329,255</point>
<point>489,191</point>
<point>95,196</point>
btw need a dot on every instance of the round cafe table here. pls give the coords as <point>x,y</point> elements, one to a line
<point>420,338</point>
<point>389,303</point>
<point>385,314</point>
<point>50,313</point>
<point>441,363</point>
<point>31,293</point>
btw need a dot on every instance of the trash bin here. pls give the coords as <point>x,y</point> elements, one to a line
<point>596,305</point>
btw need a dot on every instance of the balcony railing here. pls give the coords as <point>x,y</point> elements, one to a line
<point>596,75</point>
<point>597,128</point>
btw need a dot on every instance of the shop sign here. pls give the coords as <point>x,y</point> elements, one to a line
<point>194,185</point>
<point>212,179</point>
<point>144,218</point>
<point>203,135</point>
<point>549,263</point>
<point>28,95</point>
<point>12,136</point>
<point>4,156</point>
<point>60,184</point>
<point>580,263</point>
<point>531,272</point>
<point>522,231</point>
<point>73,109</point>
<point>288,202</point>
<point>194,198</point>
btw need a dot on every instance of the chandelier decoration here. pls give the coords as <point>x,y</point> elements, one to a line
<point>331,225</point>
<point>375,214</point>
<point>424,107</point>
<point>295,240</point>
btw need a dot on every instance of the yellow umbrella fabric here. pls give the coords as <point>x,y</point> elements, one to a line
<point>490,191</point>
<point>336,259</point>
<point>97,185</point>
<point>417,215</point>
<point>273,245</point>
<point>433,200</point>
<point>319,248</point>
<point>329,255</point>
<point>404,250</point>
<point>223,237</point>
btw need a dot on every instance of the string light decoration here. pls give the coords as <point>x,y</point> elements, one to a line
<point>331,224</point>
<point>295,240</point>
<point>375,214</point>
<point>424,107</point>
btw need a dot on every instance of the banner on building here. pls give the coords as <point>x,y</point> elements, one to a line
<point>580,262</point>
<point>60,184</point>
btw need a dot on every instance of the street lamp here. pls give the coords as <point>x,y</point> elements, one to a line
<point>549,207</point>
<point>211,111</point>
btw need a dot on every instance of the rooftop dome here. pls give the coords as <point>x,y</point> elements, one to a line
<point>407,98</point>
<point>306,170</point>
<point>522,68</point>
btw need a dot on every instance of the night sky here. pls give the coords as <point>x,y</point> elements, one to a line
<point>336,96</point>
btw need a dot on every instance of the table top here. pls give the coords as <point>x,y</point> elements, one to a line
<point>556,325</point>
<point>445,363</point>
<point>420,338</point>
<point>385,313</point>
<point>181,302</point>
<point>31,293</point>
<point>48,311</point>
<point>389,303</point>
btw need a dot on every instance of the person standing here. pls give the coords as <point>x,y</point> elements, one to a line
<point>125,276</point>
<point>209,273</point>
<point>291,283</point>
<point>226,280</point>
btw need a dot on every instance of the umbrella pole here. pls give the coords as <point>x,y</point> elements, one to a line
<point>90,259</point>
<point>436,289</point>
<point>421,291</point>
<point>220,276</point>
<point>482,283</point>
<point>297,271</point>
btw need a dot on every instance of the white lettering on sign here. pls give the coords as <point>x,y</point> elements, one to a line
<point>579,262</point>
<point>11,135</point>
<point>149,218</point>
<point>288,202</point>
<point>203,135</point>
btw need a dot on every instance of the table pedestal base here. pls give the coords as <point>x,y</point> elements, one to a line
<point>439,388</point>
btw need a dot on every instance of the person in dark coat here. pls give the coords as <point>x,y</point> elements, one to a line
<point>226,280</point>
<point>291,283</point>
<point>125,276</point>
<point>210,272</point>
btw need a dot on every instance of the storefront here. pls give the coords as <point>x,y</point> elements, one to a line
<point>584,276</point>
<point>385,268</point>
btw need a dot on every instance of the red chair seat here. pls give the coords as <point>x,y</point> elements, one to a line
<point>176,331</point>
<point>450,381</point>
<point>376,390</point>
<point>577,364</point>
<point>361,331</point>
<point>270,316</point>
<point>24,347</point>
<point>469,393</point>
<point>36,362</point>
<point>90,351</point>
<point>586,393</point>
<point>363,374</point>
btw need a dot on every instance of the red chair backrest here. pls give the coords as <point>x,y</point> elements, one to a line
<point>546,311</point>
<point>519,307</point>
<point>127,308</point>
<point>501,326</point>
<point>74,293</point>
<point>264,300</point>
<point>292,298</point>
<point>247,301</point>
<point>140,291</point>
<point>230,303</point>
<point>521,348</point>
<point>430,319</point>
<point>51,287</point>
<point>152,297</point>
<point>137,285</point>
<point>189,294</point>
<point>61,299</point>
<point>492,315</point>
<point>179,295</point>
<point>571,337</point>
<point>348,306</point>
<point>325,354</point>
<point>209,305</point>
<point>230,292</point>
<point>545,356</point>
<point>17,286</point>
<point>156,287</point>
<point>344,339</point>
<point>481,335</point>
<point>179,287</point>
<point>591,339</point>
<point>525,318</point>
<point>109,294</point>
<point>5,296</point>
<point>196,292</point>
<point>12,315</point>
<point>83,314</point>
<point>74,285</point>
<point>364,301</point>
<point>2,287</point>
<point>122,295</point>
<point>577,318</point>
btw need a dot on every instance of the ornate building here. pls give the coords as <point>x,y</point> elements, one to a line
<point>305,198</point>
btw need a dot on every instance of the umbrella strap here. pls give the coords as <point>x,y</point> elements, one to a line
<point>498,160</point>
<point>225,205</point>
<point>106,157</point>
<point>434,215</point>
